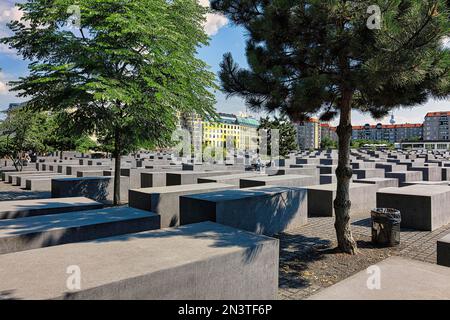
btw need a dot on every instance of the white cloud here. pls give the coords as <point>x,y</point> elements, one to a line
<point>214,21</point>
<point>446,42</point>
<point>9,12</point>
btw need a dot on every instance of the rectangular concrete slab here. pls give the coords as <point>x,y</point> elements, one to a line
<point>289,180</point>
<point>264,210</point>
<point>28,208</point>
<point>165,201</point>
<point>321,199</point>
<point>422,207</point>
<point>400,279</point>
<point>232,179</point>
<point>443,251</point>
<point>379,182</point>
<point>56,229</point>
<point>195,262</point>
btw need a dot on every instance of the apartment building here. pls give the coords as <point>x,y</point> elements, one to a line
<point>391,132</point>
<point>435,126</point>
<point>308,134</point>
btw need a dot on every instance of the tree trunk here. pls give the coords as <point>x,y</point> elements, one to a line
<point>344,173</point>
<point>117,158</point>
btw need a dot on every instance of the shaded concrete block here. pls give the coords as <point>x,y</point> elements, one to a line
<point>369,173</point>
<point>56,229</point>
<point>328,178</point>
<point>401,279</point>
<point>42,183</point>
<point>443,251</point>
<point>263,210</point>
<point>426,183</point>
<point>11,177</point>
<point>232,179</point>
<point>90,173</point>
<point>29,208</point>
<point>289,180</point>
<point>165,201</point>
<point>321,199</point>
<point>153,179</point>
<point>405,176</point>
<point>423,207</point>
<point>97,188</point>
<point>190,177</point>
<point>21,180</point>
<point>195,262</point>
<point>379,182</point>
<point>390,167</point>
<point>428,173</point>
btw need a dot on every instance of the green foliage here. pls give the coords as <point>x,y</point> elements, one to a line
<point>22,131</point>
<point>123,74</point>
<point>328,143</point>
<point>359,143</point>
<point>287,134</point>
<point>314,56</point>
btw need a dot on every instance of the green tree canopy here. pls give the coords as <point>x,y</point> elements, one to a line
<point>311,57</point>
<point>122,70</point>
<point>286,131</point>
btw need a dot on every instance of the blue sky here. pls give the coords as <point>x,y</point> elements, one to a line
<point>225,37</point>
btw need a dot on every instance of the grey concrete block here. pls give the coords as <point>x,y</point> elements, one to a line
<point>29,208</point>
<point>379,182</point>
<point>369,173</point>
<point>165,201</point>
<point>443,251</point>
<point>401,279</point>
<point>321,199</point>
<point>232,179</point>
<point>205,261</point>
<point>263,210</point>
<point>190,177</point>
<point>42,183</point>
<point>423,207</point>
<point>405,176</point>
<point>290,180</point>
<point>97,188</point>
<point>153,179</point>
<point>56,229</point>
<point>428,173</point>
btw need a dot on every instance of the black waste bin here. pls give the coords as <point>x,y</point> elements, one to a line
<point>386,227</point>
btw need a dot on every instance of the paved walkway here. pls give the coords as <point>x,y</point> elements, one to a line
<point>9,192</point>
<point>309,263</point>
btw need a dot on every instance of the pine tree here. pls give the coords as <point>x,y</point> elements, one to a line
<point>328,57</point>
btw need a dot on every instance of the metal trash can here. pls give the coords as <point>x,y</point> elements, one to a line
<point>386,227</point>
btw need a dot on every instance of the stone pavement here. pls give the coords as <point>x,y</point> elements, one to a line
<point>308,262</point>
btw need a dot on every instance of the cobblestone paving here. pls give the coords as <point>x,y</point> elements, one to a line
<point>308,262</point>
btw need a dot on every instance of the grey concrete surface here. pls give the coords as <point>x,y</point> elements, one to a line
<point>195,262</point>
<point>190,177</point>
<point>56,229</point>
<point>28,208</point>
<point>400,279</point>
<point>380,182</point>
<point>321,198</point>
<point>443,251</point>
<point>422,207</point>
<point>289,180</point>
<point>165,201</point>
<point>263,210</point>
<point>97,188</point>
<point>232,179</point>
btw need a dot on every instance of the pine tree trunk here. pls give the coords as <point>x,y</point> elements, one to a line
<point>117,158</point>
<point>342,203</point>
